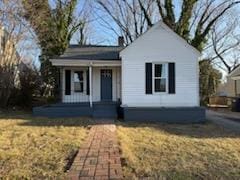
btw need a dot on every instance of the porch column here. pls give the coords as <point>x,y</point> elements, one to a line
<point>235,87</point>
<point>90,85</point>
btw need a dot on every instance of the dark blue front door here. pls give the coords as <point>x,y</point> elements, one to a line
<point>106,85</point>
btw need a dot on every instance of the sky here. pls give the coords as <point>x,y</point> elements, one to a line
<point>100,34</point>
<point>97,32</point>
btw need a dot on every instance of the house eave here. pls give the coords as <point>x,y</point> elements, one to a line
<point>231,74</point>
<point>76,62</point>
<point>235,77</point>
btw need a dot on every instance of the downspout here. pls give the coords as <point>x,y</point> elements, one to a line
<point>90,85</point>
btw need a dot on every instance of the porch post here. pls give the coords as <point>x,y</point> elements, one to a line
<point>90,85</point>
<point>235,87</point>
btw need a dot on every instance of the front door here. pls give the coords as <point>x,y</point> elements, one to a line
<point>106,85</point>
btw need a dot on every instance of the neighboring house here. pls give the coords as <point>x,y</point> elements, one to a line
<point>233,83</point>
<point>154,78</point>
<point>222,90</point>
<point>8,53</point>
<point>9,57</point>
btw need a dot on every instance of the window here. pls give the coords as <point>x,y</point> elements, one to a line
<point>78,81</point>
<point>160,78</point>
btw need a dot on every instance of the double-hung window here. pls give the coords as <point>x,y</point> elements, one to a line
<point>78,81</point>
<point>160,77</point>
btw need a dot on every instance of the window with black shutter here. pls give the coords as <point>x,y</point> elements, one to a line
<point>160,78</point>
<point>148,71</point>
<point>67,82</point>
<point>171,78</point>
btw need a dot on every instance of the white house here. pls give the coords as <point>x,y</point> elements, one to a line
<point>233,83</point>
<point>154,78</point>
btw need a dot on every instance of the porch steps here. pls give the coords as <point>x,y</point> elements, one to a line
<point>105,110</point>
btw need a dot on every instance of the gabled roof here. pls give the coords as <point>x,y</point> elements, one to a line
<point>166,27</point>
<point>91,52</point>
<point>232,73</point>
<point>101,52</point>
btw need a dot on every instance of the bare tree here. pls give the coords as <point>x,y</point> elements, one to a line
<point>20,39</point>
<point>83,34</point>
<point>194,23</point>
<point>9,58</point>
<point>197,17</point>
<point>15,43</point>
<point>127,15</point>
<point>223,48</point>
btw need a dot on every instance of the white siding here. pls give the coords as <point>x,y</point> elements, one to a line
<point>233,87</point>
<point>83,97</point>
<point>159,44</point>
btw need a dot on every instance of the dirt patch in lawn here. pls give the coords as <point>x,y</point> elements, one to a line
<point>158,151</point>
<point>38,148</point>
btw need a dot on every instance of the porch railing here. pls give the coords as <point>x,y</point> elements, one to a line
<point>73,96</point>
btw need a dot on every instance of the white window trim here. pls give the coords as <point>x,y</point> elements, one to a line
<point>153,77</point>
<point>84,81</point>
<point>80,81</point>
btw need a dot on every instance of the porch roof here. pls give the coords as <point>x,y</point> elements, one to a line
<point>92,52</point>
<point>87,55</point>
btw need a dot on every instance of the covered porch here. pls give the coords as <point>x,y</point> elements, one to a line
<point>87,88</point>
<point>90,83</point>
<point>83,109</point>
<point>89,74</point>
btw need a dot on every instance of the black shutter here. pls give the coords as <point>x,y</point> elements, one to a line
<point>171,78</point>
<point>67,82</point>
<point>88,92</point>
<point>148,70</point>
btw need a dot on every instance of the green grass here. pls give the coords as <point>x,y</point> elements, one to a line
<point>38,148</point>
<point>179,151</point>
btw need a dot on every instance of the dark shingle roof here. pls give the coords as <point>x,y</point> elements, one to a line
<point>92,52</point>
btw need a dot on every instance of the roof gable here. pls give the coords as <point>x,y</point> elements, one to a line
<point>235,72</point>
<point>170,31</point>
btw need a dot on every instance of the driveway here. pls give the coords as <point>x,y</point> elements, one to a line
<point>227,120</point>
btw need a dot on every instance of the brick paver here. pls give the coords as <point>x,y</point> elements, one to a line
<point>98,157</point>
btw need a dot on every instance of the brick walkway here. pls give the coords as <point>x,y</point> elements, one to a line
<point>98,157</point>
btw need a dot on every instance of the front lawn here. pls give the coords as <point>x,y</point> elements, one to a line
<point>179,151</point>
<point>38,148</point>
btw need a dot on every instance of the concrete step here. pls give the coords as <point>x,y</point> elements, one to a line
<point>105,110</point>
<point>107,106</point>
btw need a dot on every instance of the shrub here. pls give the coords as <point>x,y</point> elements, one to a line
<point>7,80</point>
<point>30,85</point>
